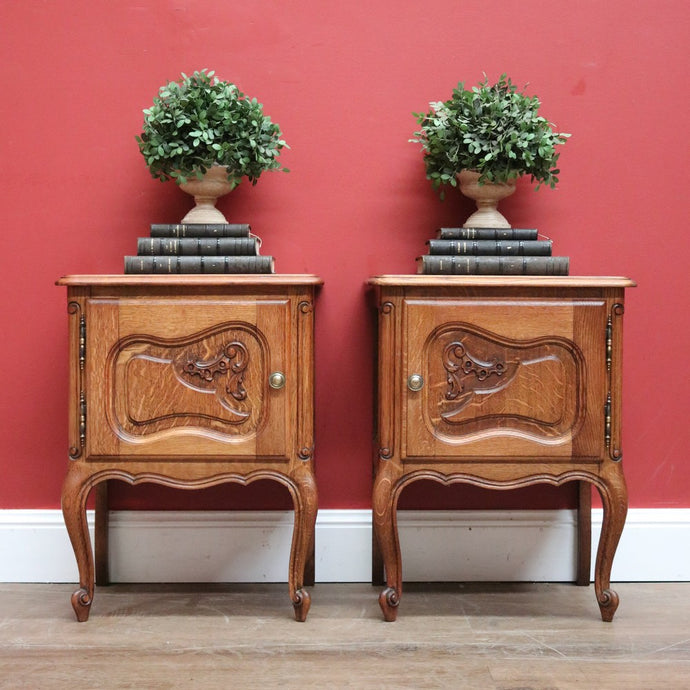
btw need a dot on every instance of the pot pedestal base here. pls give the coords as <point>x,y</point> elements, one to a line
<point>206,192</point>
<point>486,196</point>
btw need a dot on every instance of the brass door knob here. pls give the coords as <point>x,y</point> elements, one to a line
<point>276,380</point>
<point>415,382</point>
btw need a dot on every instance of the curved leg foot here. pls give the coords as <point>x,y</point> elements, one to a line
<point>301,604</point>
<point>305,499</point>
<point>388,601</point>
<point>386,534</point>
<point>75,490</point>
<point>614,496</point>
<point>608,603</point>
<point>81,603</point>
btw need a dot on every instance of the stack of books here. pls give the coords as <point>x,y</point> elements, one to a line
<point>199,248</point>
<point>491,251</point>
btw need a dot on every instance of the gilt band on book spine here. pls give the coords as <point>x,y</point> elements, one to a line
<point>200,230</point>
<point>493,265</point>
<point>195,246</point>
<point>491,247</point>
<point>487,233</point>
<point>199,264</point>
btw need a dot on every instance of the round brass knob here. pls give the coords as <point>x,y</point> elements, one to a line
<point>276,380</point>
<point>415,382</point>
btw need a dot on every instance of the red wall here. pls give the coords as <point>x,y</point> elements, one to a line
<point>342,82</point>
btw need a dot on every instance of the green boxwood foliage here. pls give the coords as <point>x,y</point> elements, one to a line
<point>200,121</point>
<point>493,129</point>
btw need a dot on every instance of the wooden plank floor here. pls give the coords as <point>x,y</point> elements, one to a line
<point>486,636</point>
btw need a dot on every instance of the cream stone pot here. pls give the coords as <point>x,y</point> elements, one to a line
<point>206,192</point>
<point>487,196</point>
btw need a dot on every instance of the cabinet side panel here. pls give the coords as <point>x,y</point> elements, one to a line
<point>589,331</point>
<point>102,331</point>
<point>275,321</point>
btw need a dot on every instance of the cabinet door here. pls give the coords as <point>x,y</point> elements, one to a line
<point>504,379</point>
<point>189,377</point>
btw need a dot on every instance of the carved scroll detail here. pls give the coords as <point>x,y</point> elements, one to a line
<point>208,382</point>
<point>467,374</point>
<point>306,452</point>
<point>232,361</point>
<point>497,386</point>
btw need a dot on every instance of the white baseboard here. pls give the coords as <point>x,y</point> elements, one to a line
<point>240,546</point>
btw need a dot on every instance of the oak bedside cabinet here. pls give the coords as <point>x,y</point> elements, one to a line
<point>191,381</point>
<point>500,382</point>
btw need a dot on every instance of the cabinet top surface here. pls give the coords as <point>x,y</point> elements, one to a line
<point>500,281</point>
<point>191,280</point>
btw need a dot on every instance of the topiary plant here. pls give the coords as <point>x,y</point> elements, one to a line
<point>201,121</point>
<point>492,129</point>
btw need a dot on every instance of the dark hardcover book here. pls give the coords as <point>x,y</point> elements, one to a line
<point>200,230</point>
<point>199,264</point>
<point>494,265</point>
<point>487,234</point>
<point>195,246</point>
<point>491,247</point>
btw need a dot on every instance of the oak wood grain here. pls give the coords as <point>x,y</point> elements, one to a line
<point>190,280</point>
<point>500,383</point>
<point>560,282</point>
<point>170,383</point>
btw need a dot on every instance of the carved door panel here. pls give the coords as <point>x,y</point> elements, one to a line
<point>187,377</point>
<point>504,379</point>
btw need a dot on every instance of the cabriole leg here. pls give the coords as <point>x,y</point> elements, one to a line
<point>305,499</point>
<point>385,526</point>
<point>614,496</point>
<point>75,490</point>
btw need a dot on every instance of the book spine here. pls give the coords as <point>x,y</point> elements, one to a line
<point>200,230</point>
<point>491,247</point>
<point>198,264</point>
<point>196,246</point>
<point>487,233</point>
<point>493,265</point>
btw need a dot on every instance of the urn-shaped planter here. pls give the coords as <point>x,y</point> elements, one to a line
<point>486,195</point>
<point>206,191</point>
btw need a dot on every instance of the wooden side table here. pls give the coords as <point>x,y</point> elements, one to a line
<point>191,381</point>
<point>501,382</point>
